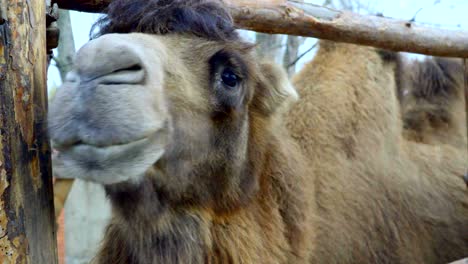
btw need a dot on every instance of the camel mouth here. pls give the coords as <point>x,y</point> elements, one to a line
<point>109,164</point>
<point>95,157</point>
<point>58,148</point>
<point>89,147</point>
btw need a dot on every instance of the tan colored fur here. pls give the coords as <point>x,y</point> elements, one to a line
<point>229,184</point>
<point>273,228</point>
<point>379,197</point>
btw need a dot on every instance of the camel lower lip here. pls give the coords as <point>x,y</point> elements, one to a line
<point>109,147</point>
<point>59,149</point>
<point>86,154</point>
<point>112,163</point>
<point>109,164</point>
<point>94,153</point>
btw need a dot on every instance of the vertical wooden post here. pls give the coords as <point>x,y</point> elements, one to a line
<point>27,225</point>
<point>465,63</point>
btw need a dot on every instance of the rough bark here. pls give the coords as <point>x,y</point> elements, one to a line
<point>27,224</point>
<point>294,18</point>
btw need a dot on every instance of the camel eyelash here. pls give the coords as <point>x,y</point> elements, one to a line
<point>227,59</point>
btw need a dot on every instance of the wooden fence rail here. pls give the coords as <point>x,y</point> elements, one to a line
<point>296,18</point>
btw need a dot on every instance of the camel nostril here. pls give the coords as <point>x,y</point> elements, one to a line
<point>129,75</point>
<point>135,67</point>
<point>110,60</point>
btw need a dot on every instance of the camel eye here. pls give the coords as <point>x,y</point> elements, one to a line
<point>229,78</point>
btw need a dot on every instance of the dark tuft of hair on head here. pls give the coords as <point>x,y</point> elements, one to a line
<point>437,78</point>
<point>388,55</point>
<point>208,19</point>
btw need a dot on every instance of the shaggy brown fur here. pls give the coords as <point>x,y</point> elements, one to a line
<point>433,108</point>
<point>232,186</point>
<point>379,197</point>
<point>226,190</point>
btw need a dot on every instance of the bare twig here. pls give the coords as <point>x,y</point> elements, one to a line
<point>413,19</point>
<point>302,55</point>
<point>416,14</point>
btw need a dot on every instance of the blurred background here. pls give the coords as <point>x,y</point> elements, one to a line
<point>87,211</point>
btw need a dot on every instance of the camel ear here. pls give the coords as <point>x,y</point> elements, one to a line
<point>274,93</point>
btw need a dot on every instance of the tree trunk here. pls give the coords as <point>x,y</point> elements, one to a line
<point>66,47</point>
<point>269,47</point>
<point>64,62</point>
<point>27,224</point>
<point>292,47</point>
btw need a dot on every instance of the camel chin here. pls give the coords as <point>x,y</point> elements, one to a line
<point>110,164</point>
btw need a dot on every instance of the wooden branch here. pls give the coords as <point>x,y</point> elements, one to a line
<point>53,35</point>
<point>296,18</point>
<point>27,225</point>
<point>92,6</point>
<point>302,19</point>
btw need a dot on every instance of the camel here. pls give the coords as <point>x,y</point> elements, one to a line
<point>431,95</point>
<point>208,156</point>
<point>370,181</point>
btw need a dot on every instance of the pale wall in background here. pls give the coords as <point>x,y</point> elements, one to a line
<point>87,212</point>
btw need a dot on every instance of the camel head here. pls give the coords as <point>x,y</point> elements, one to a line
<point>168,95</point>
<point>431,98</point>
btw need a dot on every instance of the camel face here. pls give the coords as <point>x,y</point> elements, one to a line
<point>173,109</point>
<point>432,105</point>
<point>109,121</point>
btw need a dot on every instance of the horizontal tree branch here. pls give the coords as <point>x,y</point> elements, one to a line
<point>302,19</point>
<point>91,6</point>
